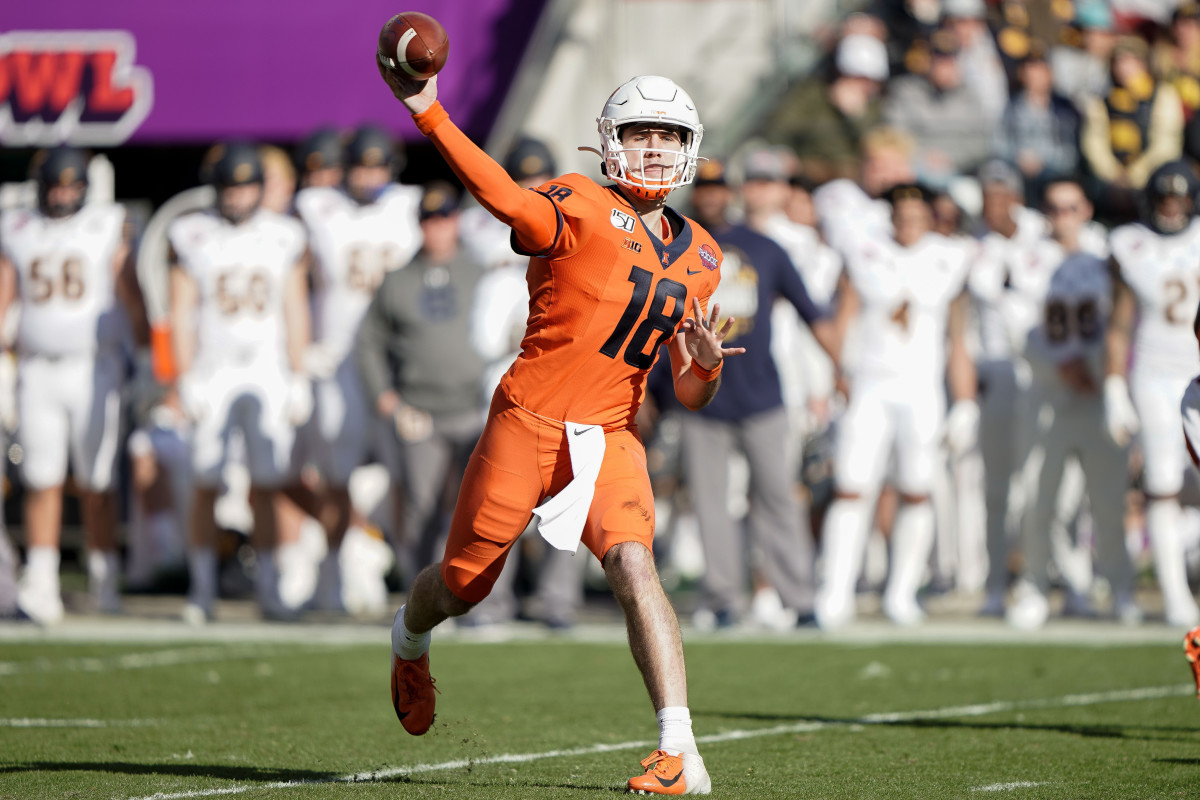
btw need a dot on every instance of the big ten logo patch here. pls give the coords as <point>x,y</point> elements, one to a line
<point>622,221</point>
<point>738,292</point>
<point>71,86</point>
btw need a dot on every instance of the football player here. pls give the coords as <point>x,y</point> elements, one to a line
<point>320,159</point>
<point>497,327</point>
<point>1156,265</point>
<point>1065,351</point>
<point>67,264</point>
<point>1005,297</point>
<point>911,297</point>
<point>359,232</point>
<point>240,322</point>
<point>613,273</point>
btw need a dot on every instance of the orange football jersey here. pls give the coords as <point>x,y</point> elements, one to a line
<point>602,299</point>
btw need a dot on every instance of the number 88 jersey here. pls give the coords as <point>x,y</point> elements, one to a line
<point>240,272</point>
<point>1078,304</point>
<point>65,278</point>
<point>603,298</point>
<point>1163,271</point>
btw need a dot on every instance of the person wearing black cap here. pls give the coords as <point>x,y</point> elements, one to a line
<point>240,324</point>
<point>421,373</point>
<point>65,262</point>
<point>750,416</point>
<point>359,231</point>
<point>910,293</point>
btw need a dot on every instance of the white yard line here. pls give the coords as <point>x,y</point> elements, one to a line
<point>1007,787</point>
<point>976,710</point>
<point>156,658</point>
<point>25,722</point>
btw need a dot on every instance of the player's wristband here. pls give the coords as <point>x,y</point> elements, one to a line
<point>430,118</point>
<point>706,375</point>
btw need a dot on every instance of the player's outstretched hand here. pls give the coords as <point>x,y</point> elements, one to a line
<point>703,340</point>
<point>416,95</point>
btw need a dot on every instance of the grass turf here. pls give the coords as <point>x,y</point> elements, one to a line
<point>975,721</point>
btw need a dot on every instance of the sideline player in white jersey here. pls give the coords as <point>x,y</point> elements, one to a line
<point>66,262</point>
<point>1066,354</point>
<point>910,291</point>
<point>1008,285</point>
<point>1156,266</point>
<point>358,232</point>
<point>1005,300</point>
<point>239,314</point>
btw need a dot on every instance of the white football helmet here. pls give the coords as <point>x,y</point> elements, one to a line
<point>649,98</point>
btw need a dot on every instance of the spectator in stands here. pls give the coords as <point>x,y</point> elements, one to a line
<point>946,117</point>
<point>909,24</point>
<point>1176,57</point>
<point>1129,132</point>
<point>1080,65</point>
<point>1039,132</point>
<point>979,59</point>
<point>823,119</point>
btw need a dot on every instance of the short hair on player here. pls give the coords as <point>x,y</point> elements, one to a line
<point>1059,180</point>
<point>887,138</point>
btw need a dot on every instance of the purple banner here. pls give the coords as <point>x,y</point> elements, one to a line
<point>167,71</point>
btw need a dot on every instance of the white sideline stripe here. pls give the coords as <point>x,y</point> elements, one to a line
<point>1008,787</point>
<point>22,722</point>
<point>156,658</point>
<point>976,710</point>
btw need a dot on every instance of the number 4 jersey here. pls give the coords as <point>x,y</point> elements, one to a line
<point>240,272</point>
<point>65,278</point>
<point>603,298</point>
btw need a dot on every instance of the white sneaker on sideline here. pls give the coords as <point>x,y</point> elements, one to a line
<point>40,600</point>
<point>1030,611</point>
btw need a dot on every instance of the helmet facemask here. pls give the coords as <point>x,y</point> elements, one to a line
<point>658,102</point>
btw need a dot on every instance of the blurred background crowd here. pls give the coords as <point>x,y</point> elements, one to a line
<point>311,459</point>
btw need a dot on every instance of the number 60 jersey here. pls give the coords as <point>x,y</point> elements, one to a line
<point>65,278</point>
<point>602,299</point>
<point>240,272</point>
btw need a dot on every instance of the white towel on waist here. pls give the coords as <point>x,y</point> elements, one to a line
<point>561,518</point>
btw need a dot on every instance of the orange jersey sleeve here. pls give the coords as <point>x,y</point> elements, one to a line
<point>604,295</point>
<point>535,221</point>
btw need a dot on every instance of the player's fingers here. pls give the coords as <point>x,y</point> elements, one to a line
<point>716,315</point>
<point>726,327</point>
<point>732,351</point>
<point>697,311</point>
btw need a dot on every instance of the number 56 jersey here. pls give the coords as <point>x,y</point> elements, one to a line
<point>65,278</point>
<point>240,272</point>
<point>602,299</point>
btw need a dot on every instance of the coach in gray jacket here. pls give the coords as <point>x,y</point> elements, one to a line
<point>417,364</point>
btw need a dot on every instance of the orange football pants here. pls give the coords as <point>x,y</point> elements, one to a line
<point>522,459</point>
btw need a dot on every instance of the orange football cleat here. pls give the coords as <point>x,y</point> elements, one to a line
<point>1191,650</point>
<point>413,693</point>
<point>668,774</point>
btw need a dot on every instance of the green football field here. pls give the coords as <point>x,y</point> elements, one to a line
<point>298,712</point>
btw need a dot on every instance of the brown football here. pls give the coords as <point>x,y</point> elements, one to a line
<point>413,44</point>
